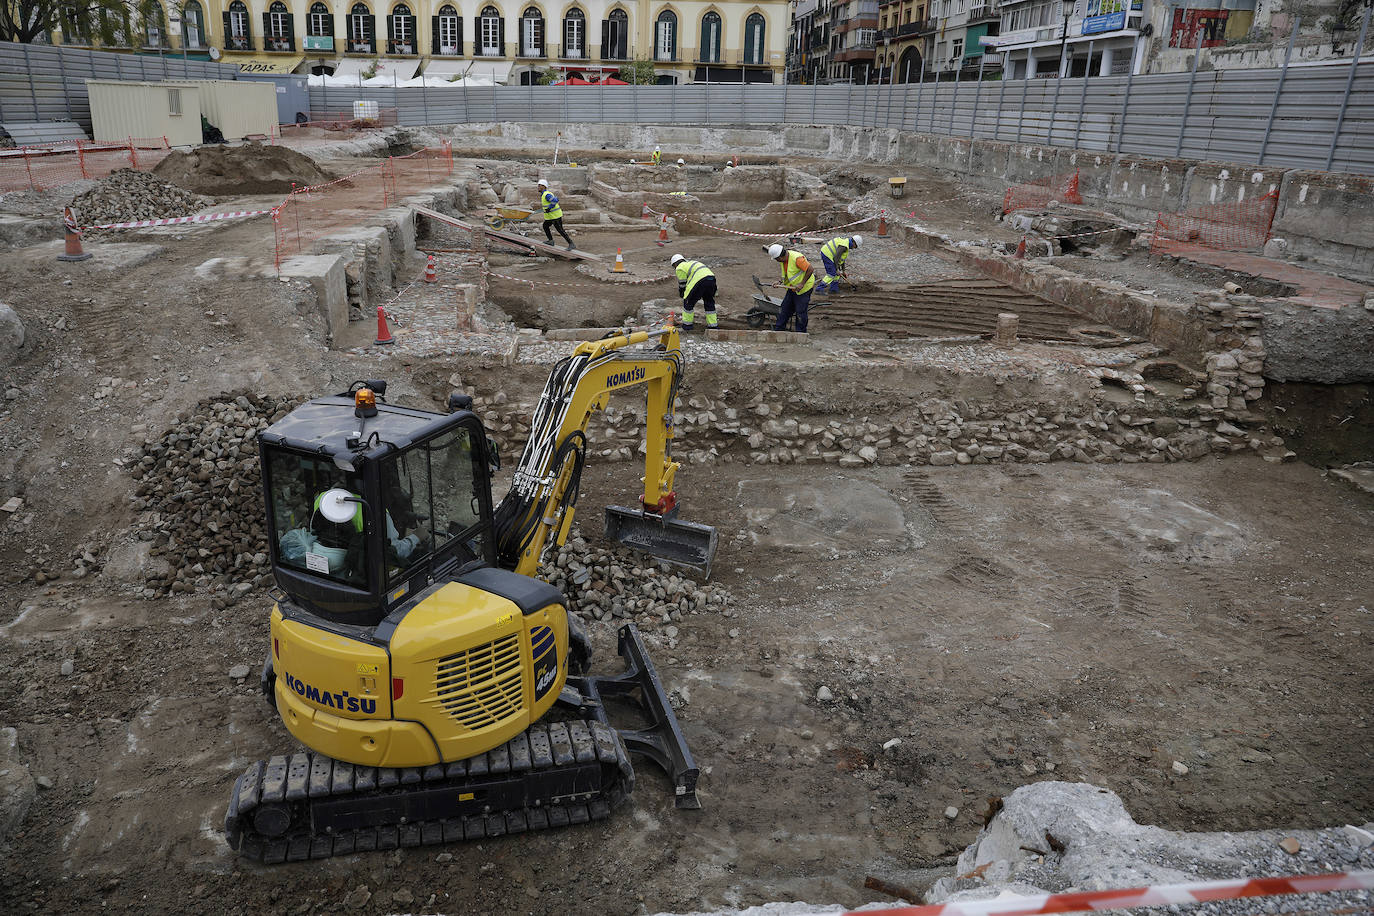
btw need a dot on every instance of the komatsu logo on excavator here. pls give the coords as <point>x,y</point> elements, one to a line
<point>340,701</point>
<point>627,377</point>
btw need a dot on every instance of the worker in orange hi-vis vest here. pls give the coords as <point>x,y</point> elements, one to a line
<point>800,280</point>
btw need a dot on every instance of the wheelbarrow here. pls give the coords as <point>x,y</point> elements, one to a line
<point>505,216</point>
<point>766,308</point>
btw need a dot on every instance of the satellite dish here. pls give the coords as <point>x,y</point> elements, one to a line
<point>338,505</point>
<point>214,53</point>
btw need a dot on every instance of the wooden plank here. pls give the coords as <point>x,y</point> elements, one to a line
<point>514,238</point>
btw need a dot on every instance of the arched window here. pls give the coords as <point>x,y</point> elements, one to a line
<point>362,30</point>
<point>531,33</point>
<point>192,25</point>
<point>448,32</point>
<point>575,34</point>
<point>277,28</point>
<point>753,39</point>
<point>492,30</point>
<point>400,31</point>
<point>236,34</point>
<point>665,36</point>
<point>319,24</point>
<point>154,25</point>
<point>615,36</point>
<point>710,38</point>
<point>909,67</point>
<point>76,28</point>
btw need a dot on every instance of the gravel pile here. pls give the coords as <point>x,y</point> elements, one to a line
<point>127,195</point>
<point>200,495</point>
<point>617,583</point>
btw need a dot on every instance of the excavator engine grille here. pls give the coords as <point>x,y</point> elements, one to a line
<point>484,685</point>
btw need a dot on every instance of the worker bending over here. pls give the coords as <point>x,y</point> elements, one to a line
<point>834,254</point>
<point>657,157</point>
<point>553,214</point>
<point>800,280</point>
<point>696,283</point>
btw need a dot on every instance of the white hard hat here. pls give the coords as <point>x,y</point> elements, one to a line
<point>729,164</point>
<point>655,148</point>
<point>775,251</point>
<point>543,183</point>
<point>858,240</point>
<point>675,258</point>
<point>682,162</point>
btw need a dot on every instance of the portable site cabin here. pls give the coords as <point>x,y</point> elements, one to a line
<point>173,109</point>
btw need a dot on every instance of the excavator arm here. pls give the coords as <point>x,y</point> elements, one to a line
<point>539,507</point>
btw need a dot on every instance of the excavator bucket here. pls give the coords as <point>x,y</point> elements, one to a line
<point>680,543</point>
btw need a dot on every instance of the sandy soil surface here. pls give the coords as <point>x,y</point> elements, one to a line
<point>1007,624</point>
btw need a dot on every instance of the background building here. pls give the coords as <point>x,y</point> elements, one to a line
<point>515,41</point>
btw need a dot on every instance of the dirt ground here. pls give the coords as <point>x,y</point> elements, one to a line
<point>1006,623</point>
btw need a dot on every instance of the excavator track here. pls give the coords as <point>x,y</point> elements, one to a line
<point>309,806</point>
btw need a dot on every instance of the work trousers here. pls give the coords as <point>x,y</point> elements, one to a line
<point>552,224</point>
<point>832,275</point>
<point>705,293</point>
<point>793,303</point>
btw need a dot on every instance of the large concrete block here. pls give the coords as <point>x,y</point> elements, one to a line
<point>569,178</point>
<point>325,274</point>
<point>1213,183</point>
<point>1144,186</point>
<point>919,149</point>
<point>1028,162</point>
<point>1329,217</point>
<point>987,164</point>
<point>952,154</point>
<point>806,139</point>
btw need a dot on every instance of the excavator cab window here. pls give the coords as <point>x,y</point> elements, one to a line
<point>307,541</point>
<point>431,493</point>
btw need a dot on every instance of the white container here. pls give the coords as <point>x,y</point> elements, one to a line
<point>367,110</point>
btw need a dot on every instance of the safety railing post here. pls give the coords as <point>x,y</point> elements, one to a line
<point>1349,82</point>
<point>1188,99</point>
<point>906,94</point>
<point>1001,105</point>
<point>814,91</point>
<point>1021,109</point>
<point>1278,91</point>
<point>954,99</point>
<point>1125,104</point>
<point>1058,81</point>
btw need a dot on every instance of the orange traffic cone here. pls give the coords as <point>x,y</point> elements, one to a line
<point>663,231</point>
<point>73,250</point>
<point>734,161</point>
<point>1021,248</point>
<point>882,225</point>
<point>1071,195</point>
<point>430,275</point>
<point>383,332</point>
<point>619,266</point>
<point>645,214</point>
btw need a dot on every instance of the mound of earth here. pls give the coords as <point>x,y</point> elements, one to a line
<point>249,169</point>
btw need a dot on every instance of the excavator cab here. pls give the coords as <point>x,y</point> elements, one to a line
<point>368,503</point>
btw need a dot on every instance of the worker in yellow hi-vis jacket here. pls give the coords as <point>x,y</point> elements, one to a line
<point>696,283</point>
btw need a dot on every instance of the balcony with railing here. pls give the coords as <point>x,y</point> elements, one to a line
<point>927,26</point>
<point>984,12</point>
<point>238,43</point>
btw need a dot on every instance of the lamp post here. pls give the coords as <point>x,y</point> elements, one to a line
<point>1064,39</point>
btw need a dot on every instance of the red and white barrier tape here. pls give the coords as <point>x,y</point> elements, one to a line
<point>173,220</point>
<point>1123,898</point>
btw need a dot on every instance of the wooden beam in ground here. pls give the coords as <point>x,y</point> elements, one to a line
<point>512,237</point>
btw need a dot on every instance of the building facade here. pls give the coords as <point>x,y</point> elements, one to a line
<point>901,42</point>
<point>509,41</point>
<point>1044,38</point>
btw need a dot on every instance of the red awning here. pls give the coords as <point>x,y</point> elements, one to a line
<point>612,81</point>
<point>573,81</point>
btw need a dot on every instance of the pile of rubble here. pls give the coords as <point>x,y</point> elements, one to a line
<point>616,583</point>
<point>127,195</point>
<point>199,495</point>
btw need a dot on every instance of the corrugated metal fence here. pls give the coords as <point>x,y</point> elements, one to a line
<point>1228,112</point>
<point>45,83</point>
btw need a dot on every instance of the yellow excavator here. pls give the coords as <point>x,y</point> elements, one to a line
<point>440,689</point>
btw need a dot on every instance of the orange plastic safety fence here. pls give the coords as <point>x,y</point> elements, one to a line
<point>308,214</point>
<point>41,166</point>
<point>1038,193</point>
<point>1223,227</point>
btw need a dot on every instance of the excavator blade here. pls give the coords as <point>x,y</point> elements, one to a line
<point>680,543</point>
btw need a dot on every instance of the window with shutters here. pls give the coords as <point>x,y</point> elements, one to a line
<point>278,37</point>
<point>319,23</point>
<point>532,33</point>
<point>615,36</point>
<point>665,36</point>
<point>575,34</point>
<point>154,26</point>
<point>710,38</point>
<point>491,32</point>
<point>239,38</point>
<point>360,30</point>
<point>401,26</point>
<point>192,26</point>
<point>753,39</point>
<point>450,32</point>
